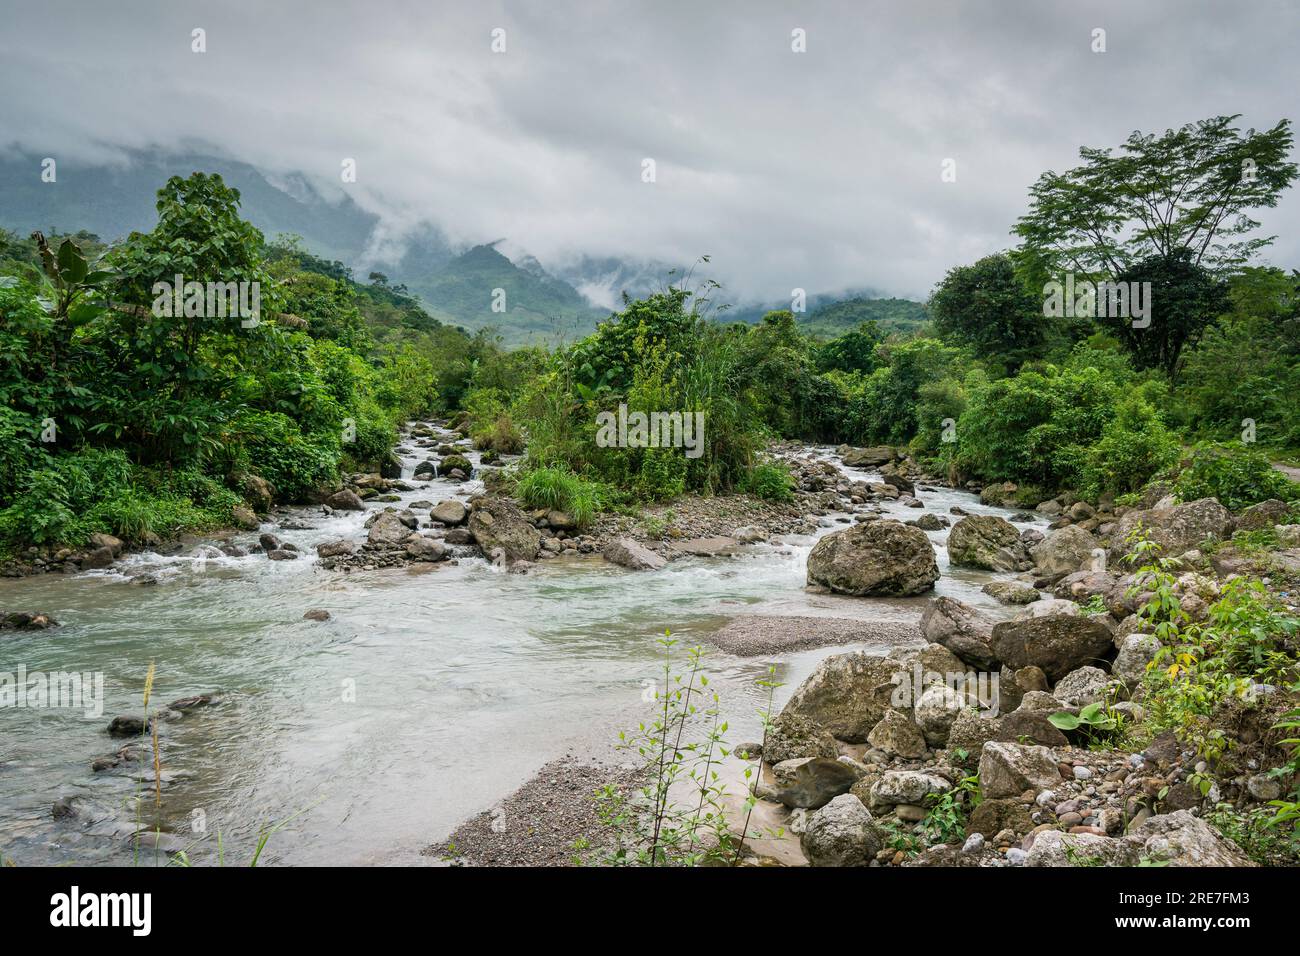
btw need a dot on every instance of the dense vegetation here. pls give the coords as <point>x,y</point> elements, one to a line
<point>122,420</point>
<point>117,419</point>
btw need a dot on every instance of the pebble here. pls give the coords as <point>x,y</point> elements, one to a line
<point>1017,856</point>
<point>1082,773</point>
<point>974,843</point>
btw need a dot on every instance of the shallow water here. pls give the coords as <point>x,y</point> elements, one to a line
<point>429,695</point>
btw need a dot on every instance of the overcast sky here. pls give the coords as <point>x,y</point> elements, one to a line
<point>819,170</point>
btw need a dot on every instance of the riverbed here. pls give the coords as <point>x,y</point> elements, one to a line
<point>429,694</point>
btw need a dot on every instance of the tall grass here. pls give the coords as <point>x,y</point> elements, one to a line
<point>558,489</point>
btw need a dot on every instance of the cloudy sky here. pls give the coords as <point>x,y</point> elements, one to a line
<point>819,169</point>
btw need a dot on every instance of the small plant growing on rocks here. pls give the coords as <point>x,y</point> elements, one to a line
<point>945,821</point>
<point>1287,815</point>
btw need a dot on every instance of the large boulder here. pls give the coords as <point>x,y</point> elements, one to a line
<point>1136,651</point>
<point>906,786</point>
<point>1175,528</point>
<point>935,711</point>
<point>1011,592</point>
<point>498,523</point>
<point>868,457</point>
<point>876,558</point>
<point>792,736</point>
<point>345,500</point>
<point>842,833</point>
<point>115,545</point>
<point>387,531</point>
<point>893,474</point>
<point>962,630</point>
<point>1056,643</point>
<point>630,554</point>
<point>1266,514</point>
<point>258,492</point>
<point>1170,839</point>
<point>1182,839</point>
<point>1008,770</point>
<point>897,734</point>
<point>1082,687</point>
<point>1082,585</point>
<point>335,548</point>
<point>991,817</point>
<point>987,542</point>
<point>421,548</point>
<point>1028,725</point>
<point>848,694</point>
<point>450,512</point>
<point>1063,552</point>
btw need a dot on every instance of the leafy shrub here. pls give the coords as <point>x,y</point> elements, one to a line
<point>294,463</point>
<point>1237,475</point>
<point>770,481</point>
<point>1133,447</point>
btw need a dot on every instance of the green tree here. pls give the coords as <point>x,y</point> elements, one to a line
<point>1190,189</point>
<point>1185,299</point>
<point>985,306</point>
<point>854,351</point>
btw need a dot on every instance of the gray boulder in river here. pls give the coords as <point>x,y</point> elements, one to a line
<point>987,542</point>
<point>878,558</point>
<point>630,554</point>
<point>497,523</point>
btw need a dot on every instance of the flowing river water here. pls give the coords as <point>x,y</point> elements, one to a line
<point>429,695</point>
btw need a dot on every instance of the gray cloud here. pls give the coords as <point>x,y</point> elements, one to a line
<point>818,170</point>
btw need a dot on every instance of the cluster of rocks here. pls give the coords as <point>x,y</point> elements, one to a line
<point>132,727</point>
<point>101,550</point>
<point>868,739</point>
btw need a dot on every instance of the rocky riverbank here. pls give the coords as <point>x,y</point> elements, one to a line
<point>993,717</point>
<point>868,747</point>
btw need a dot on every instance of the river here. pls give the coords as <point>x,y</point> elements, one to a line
<point>429,694</point>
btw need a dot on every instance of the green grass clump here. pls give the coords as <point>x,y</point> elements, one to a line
<point>558,489</point>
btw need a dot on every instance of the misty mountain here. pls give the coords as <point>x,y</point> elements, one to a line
<point>531,306</point>
<point>560,303</point>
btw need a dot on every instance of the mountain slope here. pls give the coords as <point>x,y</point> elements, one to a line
<point>538,307</point>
